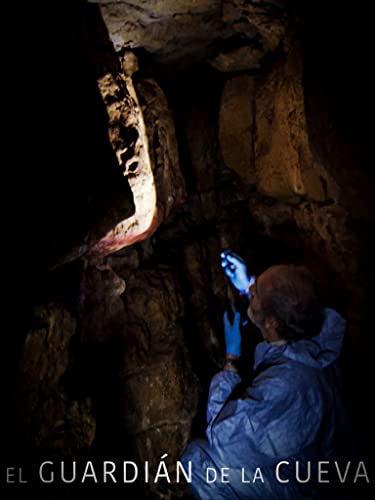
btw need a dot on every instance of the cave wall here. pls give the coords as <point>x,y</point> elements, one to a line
<point>242,148</point>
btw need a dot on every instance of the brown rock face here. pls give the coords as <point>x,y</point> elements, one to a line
<point>162,147</point>
<point>226,142</point>
<point>160,26</point>
<point>149,380</point>
<point>256,29</point>
<point>48,416</point>
<point>201,150</point>
<point>285,164</point>
<point>191,29</point>
<point>155,366</point>
<point>236,124</point>
<point>146,151</point>
<point>102,307</point>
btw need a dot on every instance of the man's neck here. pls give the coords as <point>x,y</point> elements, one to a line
<point>279,342</point>
<point>271,336</point>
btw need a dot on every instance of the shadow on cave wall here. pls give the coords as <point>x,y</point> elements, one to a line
<point>68,188</point>
<point>338,102</point>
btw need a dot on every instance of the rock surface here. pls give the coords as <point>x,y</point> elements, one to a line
<point>285,164</point>
<point>194,28</point>
<point>143,137</point>
<point>236,127</point>
<point>49,417</point>
<point>150,381</point>
<point>161,26</point>
<point>238,151</point>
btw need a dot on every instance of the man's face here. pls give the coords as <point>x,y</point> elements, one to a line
<point>254,310</point>
<point>263,286</point>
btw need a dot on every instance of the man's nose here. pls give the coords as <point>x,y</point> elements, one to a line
<point>252,288</point>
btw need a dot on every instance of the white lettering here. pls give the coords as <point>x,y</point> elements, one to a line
<point>277,472</point>
<point>89,472</point>
<point>308,473</point>
<point>342,478</point>
<point>63,473</point>
<point>321,472</point>
<point>160,472</point>
<point>109,472</point>
<point>224,475</point>
<point>41,475</point>
<point>126,480</point>
<point>258,472</point>
<point>20,480</point>
<point>244,480</point>
<point>187,476</point>
<point>211,469</point>
<point>364,474</point>
<point>10,475</point>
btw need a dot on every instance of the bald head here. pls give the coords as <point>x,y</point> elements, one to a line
<point>286,296</point>
<point>295,283</point>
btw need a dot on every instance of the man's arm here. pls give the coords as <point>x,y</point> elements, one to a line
<point>276,419</point>
<point>222,386</point>
<point>224,382</point>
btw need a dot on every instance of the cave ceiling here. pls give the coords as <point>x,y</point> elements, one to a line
<point>231,35</point>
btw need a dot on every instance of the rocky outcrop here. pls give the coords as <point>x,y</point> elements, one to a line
<point>234,34</point>
<point>286,165</point>
<point>149,380</point>
<point>236,127</point>
<point>155,367</point>
<point>162,147</point>
<point>264,135</point>
<point>49,416</point>
<point>74,192</point>
<point>147,154</point>
<point>256,29</point>
<point>102,311</point>
<point>200,152</point>
<point>161,27</point>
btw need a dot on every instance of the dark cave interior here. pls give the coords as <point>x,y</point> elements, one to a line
<point>111,356</point>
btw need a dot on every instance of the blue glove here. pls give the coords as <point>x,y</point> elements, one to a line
<point>235,268</point>
<point>232,334</point>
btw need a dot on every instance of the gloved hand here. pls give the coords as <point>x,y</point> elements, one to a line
<point>232,334</point>
<point>235,268</point>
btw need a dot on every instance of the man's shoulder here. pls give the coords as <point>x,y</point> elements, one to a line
<point>285,378</point>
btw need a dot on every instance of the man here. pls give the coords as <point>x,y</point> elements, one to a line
<point>291,413</point>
